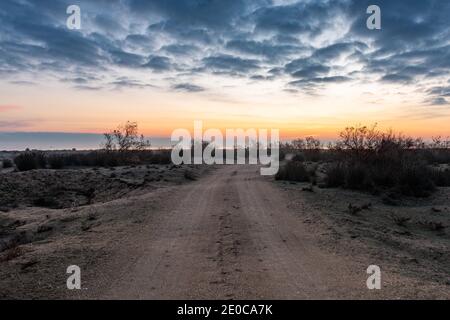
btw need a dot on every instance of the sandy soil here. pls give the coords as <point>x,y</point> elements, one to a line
<point>233,235</point>
<point>47,221</point>
<point>57,189</point>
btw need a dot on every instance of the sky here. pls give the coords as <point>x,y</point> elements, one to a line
<point>306,67</point>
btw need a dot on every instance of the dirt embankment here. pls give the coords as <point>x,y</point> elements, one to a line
<point>58,189</point>
<point>49,218</point>
<point>408,238</point>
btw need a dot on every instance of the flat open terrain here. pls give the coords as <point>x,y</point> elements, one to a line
<point>231,234</point>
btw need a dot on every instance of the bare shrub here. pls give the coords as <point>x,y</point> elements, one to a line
<point>371,160</point>
<point>293,171</point>
<point>189,175</point>
<point>7,163</point>
<point>125,138</point>
<point>308,149</point>
<point>441,178</point>
<point>30,160</point>
<point>55,161</point>
<point>336,175</point>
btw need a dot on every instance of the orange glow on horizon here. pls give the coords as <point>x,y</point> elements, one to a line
<point>159,113</point>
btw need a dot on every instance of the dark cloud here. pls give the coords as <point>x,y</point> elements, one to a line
<point>108,23</point>
<point>198,13</point>
<point>188,87</point>
<point>259,77</point>
<point>127,59</point>
<point>307,18</point>
<point>125,82</point>
<point>229,63</point>
<point>181,32</point>
<point>311,71</point>
<point>323,80</point>
<point>158,63</point>
<point>411,24</point>
<point>336,50</point>
<point>87,88</point>
<point>138,43</point>
<point>311,86</point>
<point>257,39</point>
<point>438,96</point>
<point>441,91</point>
<point>180,49</point>
<point>266,48</point>
<point>439,101</point>
<point>396,78</point>
<point>78,80</point>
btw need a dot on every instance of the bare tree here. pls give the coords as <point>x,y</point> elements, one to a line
<point>108,144</point>
<point>125,138</point>
<point>359,138</point>
<point>298,144</point>
<point>313,143</point>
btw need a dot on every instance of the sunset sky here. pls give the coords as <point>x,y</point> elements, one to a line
<point>306,67</point>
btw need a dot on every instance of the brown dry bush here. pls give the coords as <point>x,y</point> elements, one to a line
<point>371,160</point>
<point>7,163</point>
<point>294,171</point>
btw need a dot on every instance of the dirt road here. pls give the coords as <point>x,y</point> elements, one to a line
<point>227,236</point>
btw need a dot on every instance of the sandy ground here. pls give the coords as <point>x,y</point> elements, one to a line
<point>233,235</point>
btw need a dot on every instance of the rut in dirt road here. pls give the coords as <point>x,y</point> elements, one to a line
<point>230,235</point>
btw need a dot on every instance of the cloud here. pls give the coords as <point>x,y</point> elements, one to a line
<point>198,13</point>
<point>334,79</point>
<point>87,88</point>
<point>438,96</point>
<point>231,64</point>
<point>180,49</point>
<point>78,80</point>
<point>312,86</point>
<point>311,71</point>
<point>127,59</point>
<point>306,44</point>
<point>439,101</point>
<point>441,91</point>
<point>23,83</point>
<point>138,42</point>
<point>124,82</point>
<point>266,48</point>
<point>158,63</point>
<point>396,78</point>
<point>306,18</point>
<point>108,23</point>
<point>188,87</point>
<point>336,50</point>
